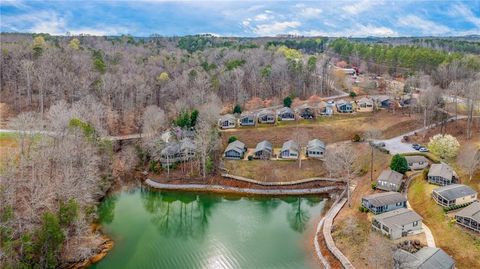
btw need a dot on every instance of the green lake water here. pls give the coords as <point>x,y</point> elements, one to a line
<point>153,229</point>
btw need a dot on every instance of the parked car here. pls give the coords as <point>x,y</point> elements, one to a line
<point>381,144</point>
<point>416,146</point>
<point>423,149</point>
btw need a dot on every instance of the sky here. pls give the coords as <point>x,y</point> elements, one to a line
<point>252,18</point>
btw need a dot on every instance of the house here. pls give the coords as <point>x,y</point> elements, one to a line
<point>441,174</point>
<point>417,162</point>
<point>365,105</point>
<point>187,149</point>
<point>315,149</point>
<point>263,150</point>
<point>384,101</point>
<point>247,119</point>
<point>170,154</point>
<point>398,223</point>
<point>344,106</point>
<point>325,109</point>
<point>227,121</point>
<point>470,216</point>
<point>454,195</point>
<point>383,202</point>
<point>390,180</point>
<point>235,150</point>
<point>425,258</point>
<point>266,116</point>
<point>305,111</point>
<point>408,102</point>
<point>285,114</point>
<point>290,150</point>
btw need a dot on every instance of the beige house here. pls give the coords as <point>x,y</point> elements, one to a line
<point>364,105</point>
<point>398,223</point>
<point>470,216</point>
<point>442,174</point>
<point>454,195</point>
<point>417,162</point>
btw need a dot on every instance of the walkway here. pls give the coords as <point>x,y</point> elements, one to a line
<point>220,188</point>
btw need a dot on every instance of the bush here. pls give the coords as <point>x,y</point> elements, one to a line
<point>237,109</point>
<point>425,173</point>
<point>232,139</point>
<point>356,138</point>
<point>48,240</point>
<point>399,164</point>
<point>287,101</point>
<point>353,94</point>
<point>250,157</point>
<point>362,209</point>
<point>67,212</point>
<point>153,166</point>
<point>374,185</point>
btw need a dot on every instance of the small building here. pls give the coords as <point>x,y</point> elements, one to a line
<point>170,154</point>
<point>247,119</point>
<point>384,101</point>
<point>325,109</point>
<point>454,195</point>
<point>425,258</point>
<point>383,202</point>
<point>285,114</point>
<point>266,116</point>
<point>235,150</point>
<point>315,149</point>
<point>398,223</point>
<point>305,111</point>
<point>227,121</point>
<point>290,150</point>
<point>441,174</point>
<point>365,105</point>
<point>263,150</point>
<point>390,180</point>
<point>417,162</point>
<point>344,106</point>
<point>470,217</point>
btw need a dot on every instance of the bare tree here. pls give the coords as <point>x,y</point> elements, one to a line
<point>370,135</point>
<point>341,161</point>
<point>154,120</point>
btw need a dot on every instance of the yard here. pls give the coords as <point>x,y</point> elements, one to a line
<point>329,129</point>
<point>456,241</point>
<point>276,171</point>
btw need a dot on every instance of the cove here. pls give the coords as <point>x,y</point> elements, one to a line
<point>157,229</point>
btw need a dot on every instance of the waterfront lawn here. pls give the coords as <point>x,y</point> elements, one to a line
<point>456,241</point>
<point>276,171</point>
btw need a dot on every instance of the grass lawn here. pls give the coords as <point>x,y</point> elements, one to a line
<point>456,241</point>
<point>276,171</point>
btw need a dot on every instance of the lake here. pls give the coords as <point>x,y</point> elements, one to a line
<point>154,229</point>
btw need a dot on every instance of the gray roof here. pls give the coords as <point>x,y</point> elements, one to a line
<point>284,110</point>
<point>454,191</point>
<point>416,159</point>
<point>187,143</point>
<point>425,258</point>
<point>342,102</point>
<point>266,112</point>
<point>441,170</point>
<point>247,114</point>
<point>290,145</point>
<point>236,145</point>
<point>227,117</point>
<point>264,145</point>
<point>365,100</point>
<point>391,177</point>
<point>382,98</point>
<point>472,211</point>
<point>385,198</point>
<point>315,143</point>
<point>398,217</point>
<point>171,149</point>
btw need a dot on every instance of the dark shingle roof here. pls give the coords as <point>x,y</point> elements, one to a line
<point>441,170</point>
<point>385,198</point>
<point>454,191</point>
<point>391,177</point>
<point>398,217</point>
<point>416,159</point>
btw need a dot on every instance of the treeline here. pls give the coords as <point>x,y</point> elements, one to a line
<point>309,45</point>
<point>201,42</point>
<point>450,45</point>
<point>394,58</point>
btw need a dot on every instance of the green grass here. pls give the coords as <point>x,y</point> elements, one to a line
<point>456,241</point>
<point>8,135</point>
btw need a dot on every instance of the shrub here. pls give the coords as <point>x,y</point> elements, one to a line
<point>362,209</point>
<point>153,166</point>
<point>86,128</point>
<point>374,185</point>
<point>67,212</point>
<point>353,94</point>
<point>232,139</point>
<point>356,138</point>
<point>425,173</point>
<point>48,240</point>
<point>250,157</point>
<point>287,101</point>
<point>399,164</point>
<point>237,109</point>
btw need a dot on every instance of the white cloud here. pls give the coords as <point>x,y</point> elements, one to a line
<point>263,16</point>
<point>361,6</point>
<point>425,26</point>
<point>310,12</point>
<point>465,12</point>
<point>275,28</point>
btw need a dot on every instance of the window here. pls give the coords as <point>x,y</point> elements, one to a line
<point>399,204</point>
<point>415,224</point>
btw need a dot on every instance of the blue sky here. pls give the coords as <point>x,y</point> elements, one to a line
<point>243,18</point>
